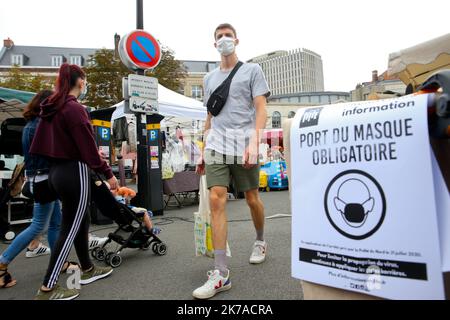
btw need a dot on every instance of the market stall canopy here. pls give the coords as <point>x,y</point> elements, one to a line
<point>171,104</point>
<point>414,65</point>
<point>13,102</point>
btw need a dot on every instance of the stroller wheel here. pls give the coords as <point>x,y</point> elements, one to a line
<point>145,246</point>
<point>154,247</point>
<point>94,252</point>
<point>10,235</point>
<point>108,257</point>
<point>101,254</point>
<point>115,260</point>
<point>161,249</point>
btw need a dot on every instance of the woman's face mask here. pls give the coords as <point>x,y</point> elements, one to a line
<point>83,91</point>
<point>225,46</point>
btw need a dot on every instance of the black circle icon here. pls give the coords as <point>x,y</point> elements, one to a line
<point>355,204</point>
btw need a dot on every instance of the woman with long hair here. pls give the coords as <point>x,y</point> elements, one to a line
<point>65,136</point>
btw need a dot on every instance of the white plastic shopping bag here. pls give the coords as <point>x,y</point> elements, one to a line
<point>202,224</point>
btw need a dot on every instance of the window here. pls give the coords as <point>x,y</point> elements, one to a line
<point>17,59</point>
<point>76,60</point>
<point>276,119</point>
<point>197,92</point>
<point>291,114</point>
<point>57,61</point>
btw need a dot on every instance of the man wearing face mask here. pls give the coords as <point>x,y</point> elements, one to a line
<point>231,151</point>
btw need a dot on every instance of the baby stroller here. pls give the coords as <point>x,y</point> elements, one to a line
<point>131,231</point>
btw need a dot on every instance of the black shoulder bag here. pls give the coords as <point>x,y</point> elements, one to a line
<point>218,98</point>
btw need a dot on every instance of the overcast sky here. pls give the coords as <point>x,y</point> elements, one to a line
<point>353,37</point>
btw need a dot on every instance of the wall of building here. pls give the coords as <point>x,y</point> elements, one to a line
<point>289,72</point>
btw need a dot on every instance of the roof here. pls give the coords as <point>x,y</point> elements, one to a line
<point>10,94</point>
<point>42,56</point>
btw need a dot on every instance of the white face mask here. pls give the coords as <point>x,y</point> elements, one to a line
<point>225,46</point>
<point>83,92</point>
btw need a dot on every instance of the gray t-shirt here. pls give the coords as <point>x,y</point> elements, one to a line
<point>232,128</point>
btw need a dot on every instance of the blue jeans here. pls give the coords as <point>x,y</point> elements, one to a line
<point>44,215</point>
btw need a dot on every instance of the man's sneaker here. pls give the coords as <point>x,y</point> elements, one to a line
<point>40,250</point>
<point>216,283</point>
<point>95,241</point>
<point>58,293</point>
<point>259,252</point>
<point>95,274</point>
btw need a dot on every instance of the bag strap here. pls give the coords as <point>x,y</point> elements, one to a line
<point>233,72</point>
<point>230,76</point>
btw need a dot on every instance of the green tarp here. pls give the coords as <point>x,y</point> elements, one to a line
<point>12,102</point>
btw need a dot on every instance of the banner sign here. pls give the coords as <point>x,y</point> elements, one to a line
<point>364,213</point>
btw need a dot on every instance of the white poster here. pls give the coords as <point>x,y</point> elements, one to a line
<point>154,163</point>
<point>363,204</point>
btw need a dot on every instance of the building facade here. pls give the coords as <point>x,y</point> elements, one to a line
<point>196,70</point>
<point>290,72</point>
<point>44,61</point>
<point>285,107</point>
<point>324,97</point>
<point>381,87</point>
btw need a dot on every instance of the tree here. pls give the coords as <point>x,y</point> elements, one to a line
<point>105,72</point>
<point>16,79</point>
<point>19,80</point>
<point>37,83</point>
<point>170,72</point>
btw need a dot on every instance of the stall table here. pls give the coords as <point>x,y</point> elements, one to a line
<point>180,186</point>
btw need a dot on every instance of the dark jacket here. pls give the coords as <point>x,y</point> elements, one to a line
<point>66,133</point>
<point>33,164</point>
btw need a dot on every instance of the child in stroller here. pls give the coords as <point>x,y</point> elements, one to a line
<point>135,228</point>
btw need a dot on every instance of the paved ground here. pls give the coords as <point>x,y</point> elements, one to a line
<point>146,276</point>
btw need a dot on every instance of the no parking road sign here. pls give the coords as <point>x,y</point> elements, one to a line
<point>139,50</point>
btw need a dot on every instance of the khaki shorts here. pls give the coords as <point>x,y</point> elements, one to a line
<point>219,172</point>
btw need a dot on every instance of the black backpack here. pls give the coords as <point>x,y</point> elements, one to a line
<point>219,97</point>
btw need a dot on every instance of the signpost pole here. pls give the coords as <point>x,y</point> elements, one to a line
<point>141,134</point>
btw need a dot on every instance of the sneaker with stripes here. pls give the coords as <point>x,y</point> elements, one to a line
<point>40,250</point>
<point>95,241</point>
<point>96,273</point>
<point>58,293</point>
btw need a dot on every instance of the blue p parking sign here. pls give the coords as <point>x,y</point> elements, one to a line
<point>153,135</point>
<point>104,133</point>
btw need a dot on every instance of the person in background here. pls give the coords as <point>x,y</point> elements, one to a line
<point>46,209</point>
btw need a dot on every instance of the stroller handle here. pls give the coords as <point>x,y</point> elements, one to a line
<point>438,104</point>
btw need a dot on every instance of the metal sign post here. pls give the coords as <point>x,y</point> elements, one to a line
<point>140,51</point>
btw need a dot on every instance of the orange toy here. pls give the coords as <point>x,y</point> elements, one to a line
<point>126,192</point>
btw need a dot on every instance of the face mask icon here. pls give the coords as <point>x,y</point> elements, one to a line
<point>354,202</point>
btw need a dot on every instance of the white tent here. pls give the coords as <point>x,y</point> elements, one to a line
<point>171,104</point>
